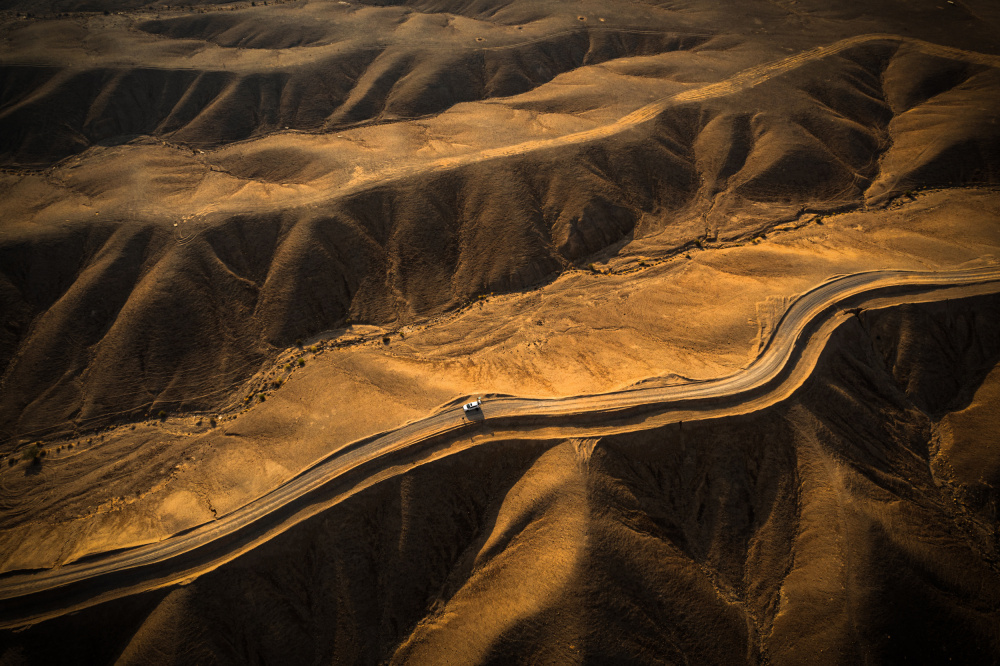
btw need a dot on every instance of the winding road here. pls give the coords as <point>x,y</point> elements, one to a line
<point>784,363</point>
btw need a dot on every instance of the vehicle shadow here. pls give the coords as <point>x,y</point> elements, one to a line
<point>476,415</point>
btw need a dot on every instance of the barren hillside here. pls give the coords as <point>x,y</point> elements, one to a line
<point>236,239</point>
<point>199,220</point>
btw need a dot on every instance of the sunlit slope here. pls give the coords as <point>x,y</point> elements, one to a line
<point>813,529</point>
<point>131,236</point>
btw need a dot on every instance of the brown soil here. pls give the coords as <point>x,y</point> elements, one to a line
<point>432,199</point>
<point>814,530</point>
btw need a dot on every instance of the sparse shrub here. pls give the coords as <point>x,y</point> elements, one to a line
<point>302,362</point>
<point>162,415</point>
<point>33,453</point>
<point>263,397</point>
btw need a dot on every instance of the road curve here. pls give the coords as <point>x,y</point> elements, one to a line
<point>782,365</point>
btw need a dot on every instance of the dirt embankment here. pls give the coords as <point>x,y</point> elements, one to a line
<point>815,529</point>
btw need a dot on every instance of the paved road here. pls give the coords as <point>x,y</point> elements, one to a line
<point>784,362</point>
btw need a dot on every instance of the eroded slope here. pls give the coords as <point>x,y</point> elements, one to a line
<point>815,529</point>
<point>257,263</point>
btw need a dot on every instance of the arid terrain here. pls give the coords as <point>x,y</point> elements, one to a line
<point>254,257</point>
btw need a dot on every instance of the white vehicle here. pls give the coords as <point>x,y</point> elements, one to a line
<point>473,406</point>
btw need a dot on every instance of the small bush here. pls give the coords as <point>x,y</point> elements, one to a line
<point>263,397</point>
<point>302,362</point>
<point>162,415</point>
<point>298,342</point>
<point>32,453</point>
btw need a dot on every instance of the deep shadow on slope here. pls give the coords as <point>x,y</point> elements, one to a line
<point>813,530</point>
<point>178,323</point>
<point>386,61</point>
<point>116,318</point>
<point>49,113</point>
